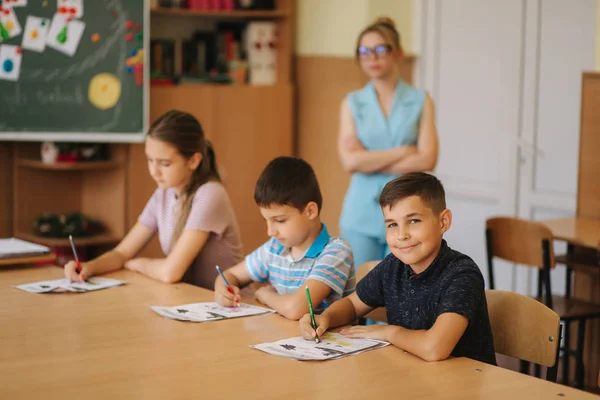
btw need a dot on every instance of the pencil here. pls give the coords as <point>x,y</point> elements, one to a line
<point>229,288</point>
<point>312,314</point>
<point>75,254</point>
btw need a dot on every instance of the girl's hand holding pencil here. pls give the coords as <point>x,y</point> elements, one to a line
<point>74,269</point>
<point>71,272</point>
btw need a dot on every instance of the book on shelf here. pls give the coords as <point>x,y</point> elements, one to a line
<point>162,56</point>
<point>245,51</point>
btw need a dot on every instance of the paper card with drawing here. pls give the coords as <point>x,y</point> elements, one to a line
<point>202,312</point>
<point>14,3</point>
<point>63,285</point>
<point>10,62</point>
<point>65,34</point>
<point>34,37</point>
<point>72,8</point>
<point>10,23</point>
<point>332,346</point>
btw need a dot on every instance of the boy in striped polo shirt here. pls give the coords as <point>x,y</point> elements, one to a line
<point>300,252</point>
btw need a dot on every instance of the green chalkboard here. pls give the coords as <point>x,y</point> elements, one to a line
<point>96,94</point>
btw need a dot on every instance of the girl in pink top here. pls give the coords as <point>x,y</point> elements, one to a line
<point>190,210</point>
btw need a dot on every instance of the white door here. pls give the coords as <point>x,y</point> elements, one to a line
<point>505,77</point>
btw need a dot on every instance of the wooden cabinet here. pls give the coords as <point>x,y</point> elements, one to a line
<point>6,183</point>
<point>97,189</point>
<point>254,125</point>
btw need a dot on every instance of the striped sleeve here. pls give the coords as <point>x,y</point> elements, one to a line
<point>257,263</point>
<point>148,216</point>
<point>335,267</point>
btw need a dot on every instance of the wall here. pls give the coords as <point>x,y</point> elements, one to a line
<point>597,35</point>
<point>330,28</point>
<point>325,71</point>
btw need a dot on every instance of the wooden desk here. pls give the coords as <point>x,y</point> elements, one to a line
<point>582,236</point>
<point>100,344</point>
<point>577,231</point>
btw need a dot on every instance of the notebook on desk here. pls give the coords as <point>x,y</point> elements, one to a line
<point>16,248</point>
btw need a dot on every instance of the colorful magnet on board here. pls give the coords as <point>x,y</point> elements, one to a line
<point>4,34</point>
<point>8,66</point>
<point>62,36</point>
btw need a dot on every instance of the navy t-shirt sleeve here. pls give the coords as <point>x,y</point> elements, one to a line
<point>370,289</point>
<point>463,294</point>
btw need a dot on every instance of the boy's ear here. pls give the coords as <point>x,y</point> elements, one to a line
<point>312,210</point>
<point>445,220</point>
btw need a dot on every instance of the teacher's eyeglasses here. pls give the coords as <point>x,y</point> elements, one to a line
<point>381,50</point>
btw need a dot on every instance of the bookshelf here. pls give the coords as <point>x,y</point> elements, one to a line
<point>80,166</point>
<point>95,188</point>
<point>96,240</point>
<point>187,30</point>
<point>275,14</point>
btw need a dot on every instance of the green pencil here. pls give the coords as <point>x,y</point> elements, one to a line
<point>312,314</point>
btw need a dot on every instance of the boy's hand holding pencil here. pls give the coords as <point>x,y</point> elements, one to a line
<point>226,295</point>
<point>307,330</point>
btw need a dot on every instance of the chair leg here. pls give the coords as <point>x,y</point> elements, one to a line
<point>568,282</point>
<point>569,277</point>
<point>566,355</point>
<point>551,372</point>
<point>579,366</point>
<point>537,368</point>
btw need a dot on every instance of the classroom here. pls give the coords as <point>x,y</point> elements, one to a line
<point>354,198</point>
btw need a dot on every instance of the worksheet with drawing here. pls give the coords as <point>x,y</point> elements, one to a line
<point>331,346</point>
<point>63,285</point>
<point>210,311</point>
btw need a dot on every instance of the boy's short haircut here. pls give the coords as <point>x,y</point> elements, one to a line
<point>287,181</point>
<point>426,186</point>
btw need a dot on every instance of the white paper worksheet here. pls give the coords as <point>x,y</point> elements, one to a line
<point>202,312</point>
<point>63,285</point>
<point>332,346</point>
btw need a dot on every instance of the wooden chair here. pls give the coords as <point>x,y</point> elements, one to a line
<point>378,314</point>
<point>530,244</point>
<point>524,328</point>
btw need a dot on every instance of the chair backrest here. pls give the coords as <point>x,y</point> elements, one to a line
<point>525,329</point>
<point>519,241</point>
<point>364,269</point>
<point>378,314</point>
